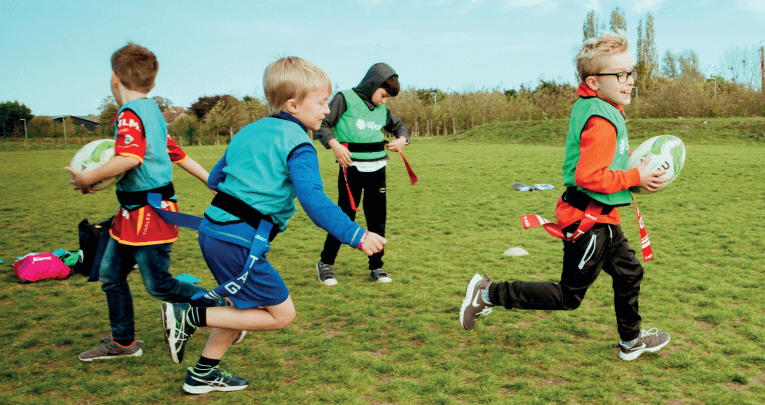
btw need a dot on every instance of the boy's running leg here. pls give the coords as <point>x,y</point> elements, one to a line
<point>154,263</point>
<point>206,376</point>
<point>627,274</point>
<point>117,263</point>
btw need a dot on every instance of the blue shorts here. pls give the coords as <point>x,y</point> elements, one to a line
<point>264,285</point>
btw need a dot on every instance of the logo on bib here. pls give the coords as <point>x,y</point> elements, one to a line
<point>624,146</point>
<point>361,124</point>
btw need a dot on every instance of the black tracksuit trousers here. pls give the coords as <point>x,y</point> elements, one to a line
<point>603,247</point>
<point>375,209</point>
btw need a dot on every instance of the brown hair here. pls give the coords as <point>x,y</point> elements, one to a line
<point>589,60</point>
<point>291,77</point>
<point>135,66</point>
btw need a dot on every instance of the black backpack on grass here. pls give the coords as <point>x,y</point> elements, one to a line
<point>93,240</point>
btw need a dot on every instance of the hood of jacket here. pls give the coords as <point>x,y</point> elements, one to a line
<point>376,75</point>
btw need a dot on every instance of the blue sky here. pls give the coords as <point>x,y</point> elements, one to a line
<point>55,54</point>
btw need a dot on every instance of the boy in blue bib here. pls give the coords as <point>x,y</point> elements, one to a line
<point>267,165</point>
<point>146,154</point>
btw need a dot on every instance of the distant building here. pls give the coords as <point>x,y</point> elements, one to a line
<point>173,113</point>
<point>88,122</point>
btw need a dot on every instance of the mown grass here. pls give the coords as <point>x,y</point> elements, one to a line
<point>363,343</point>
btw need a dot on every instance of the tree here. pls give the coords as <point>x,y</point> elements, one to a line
<point>647,59</point>
<point>204,104</point>
<point>591,25</point>
<point>741,64</point>
<point>618,21</point>
<point>669,65</point>
<point>106,112</point>
<point>162,103</point>
<point>40,127</point>
<point>689,65</point>
<point>11,114</point>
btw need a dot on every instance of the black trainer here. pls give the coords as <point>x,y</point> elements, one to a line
<point>326,273</point>
<point>215,380</point>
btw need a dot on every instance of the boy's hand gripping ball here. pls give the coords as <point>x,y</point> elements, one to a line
<point>667,152</point>
<point>92,156</point>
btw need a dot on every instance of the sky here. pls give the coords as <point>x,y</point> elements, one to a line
<point>54,55</point>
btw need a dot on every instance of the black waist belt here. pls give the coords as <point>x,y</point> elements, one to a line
<point>239,208</point>
<point>580,200</point>
<point>367,147</point>
<point>139,197</point>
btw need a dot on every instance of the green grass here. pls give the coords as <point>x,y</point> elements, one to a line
<point>363,343</point>
<point>699,131</point>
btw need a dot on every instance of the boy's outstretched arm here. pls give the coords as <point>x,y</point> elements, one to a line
<point>191,166</point>
<point>304,171</point>
<point>116,166</point>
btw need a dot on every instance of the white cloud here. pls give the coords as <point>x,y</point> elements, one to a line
<point>592,5</point>
<point>539,5</point>
<point>646,5</point>
<point>753,6</point>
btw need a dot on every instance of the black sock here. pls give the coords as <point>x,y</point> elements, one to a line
<point>205,365</point>
<point>198,316</point>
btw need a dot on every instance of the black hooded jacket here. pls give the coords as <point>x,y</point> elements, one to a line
<point>376,75</point>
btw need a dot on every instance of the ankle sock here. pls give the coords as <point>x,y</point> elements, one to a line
<point>197,316</point>
<point>205,365</point>
<point>628,343</point>
<point>485,296</point>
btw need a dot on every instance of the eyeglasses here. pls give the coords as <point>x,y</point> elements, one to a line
<point>622,76</point>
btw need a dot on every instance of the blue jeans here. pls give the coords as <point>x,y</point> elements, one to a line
<point>153,261</point>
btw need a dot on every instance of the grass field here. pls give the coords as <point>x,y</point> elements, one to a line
<point>363,343</point>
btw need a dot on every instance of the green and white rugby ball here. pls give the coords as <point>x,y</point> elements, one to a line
<point>667,152</point>
<point>92,156</point>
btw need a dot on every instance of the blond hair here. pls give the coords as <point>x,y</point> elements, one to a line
<point>136,67</point>
<point>291,77</point>
<point>590,59</point>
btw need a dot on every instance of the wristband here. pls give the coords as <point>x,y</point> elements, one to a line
<point>361,242</point>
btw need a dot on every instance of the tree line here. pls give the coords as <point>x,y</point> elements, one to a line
<point>674,87</point>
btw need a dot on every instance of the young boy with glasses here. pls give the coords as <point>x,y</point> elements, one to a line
<point>597,180</point>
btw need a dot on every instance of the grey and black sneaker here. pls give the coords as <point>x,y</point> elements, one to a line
<point>326,273</point>
<point>109,349</point>
<point>473,305</point>
<point>215,380</point>
<point>178,330</point>
<point>379,276</point>
<point>649,341</point>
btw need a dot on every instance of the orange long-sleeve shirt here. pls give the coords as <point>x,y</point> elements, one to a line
<point>597,148</point>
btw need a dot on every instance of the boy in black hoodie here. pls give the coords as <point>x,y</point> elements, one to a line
<point>358,115</point>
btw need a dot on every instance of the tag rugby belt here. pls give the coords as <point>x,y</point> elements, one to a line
<point>263,224</point>
<point>371,147</point>
<point>592,211</point>
<point>142,197</point>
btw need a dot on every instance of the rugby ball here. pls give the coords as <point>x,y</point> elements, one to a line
<point>667,152</point>
<point>92,156</point>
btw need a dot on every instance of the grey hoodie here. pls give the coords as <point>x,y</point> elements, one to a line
<point>376,75</point>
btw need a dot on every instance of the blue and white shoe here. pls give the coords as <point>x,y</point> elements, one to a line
<point>178,330</point>
<point>215,380</point>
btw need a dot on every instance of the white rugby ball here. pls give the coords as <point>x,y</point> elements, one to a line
<point>92,156</point>
<point>667,152</point>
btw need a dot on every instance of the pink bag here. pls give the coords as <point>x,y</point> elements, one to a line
<point>41,266</point>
